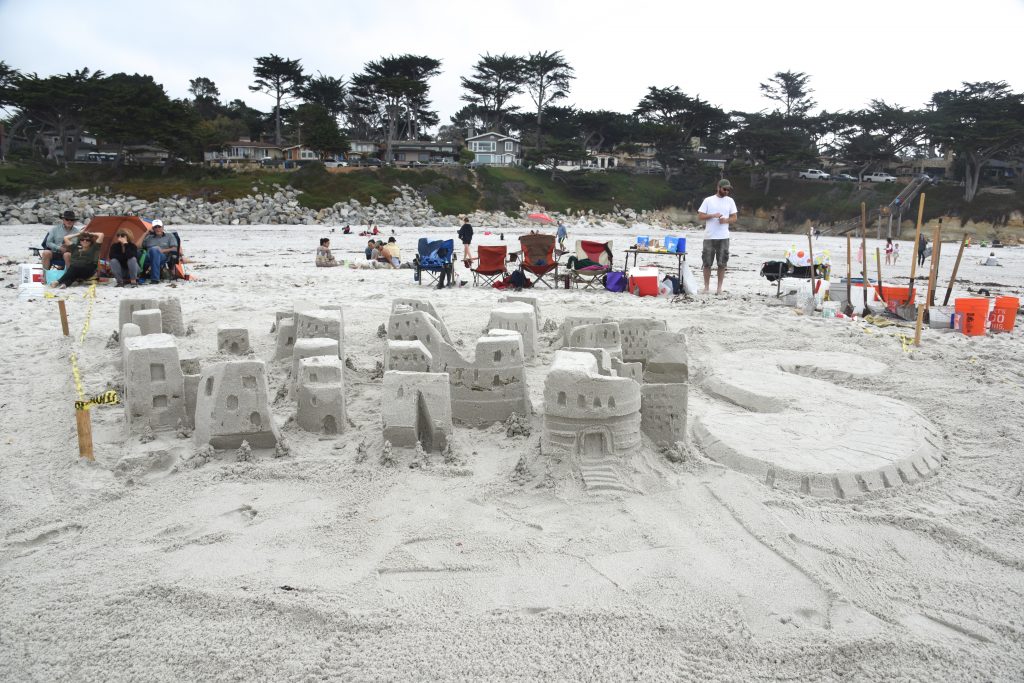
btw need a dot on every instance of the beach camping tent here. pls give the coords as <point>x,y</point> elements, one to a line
<point>109,225</point>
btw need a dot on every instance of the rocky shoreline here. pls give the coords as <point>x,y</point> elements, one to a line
<point>281,207</point>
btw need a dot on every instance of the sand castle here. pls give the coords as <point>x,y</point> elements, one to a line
<point>488,388</point>
<point>416,408</point>
<point>155,392</point>
<point>232,406</point>
<point>233,340</point>
<point>320,395</point>
<point>518,317</point>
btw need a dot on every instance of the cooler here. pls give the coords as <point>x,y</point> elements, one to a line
<point>643,282</point>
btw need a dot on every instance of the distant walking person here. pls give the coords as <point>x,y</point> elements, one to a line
<point>718,211</point>
<point>466,235</point>
<point>562,234</point>
<point>922,248</point>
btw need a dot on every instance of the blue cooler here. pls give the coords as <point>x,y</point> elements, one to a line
<point>643,241</point>
<point>681,245</point>
<point>670,243</point>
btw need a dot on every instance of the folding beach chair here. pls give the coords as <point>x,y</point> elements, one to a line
<point>591,277</point>
<point>433,257</point>
<point>539,258</point>
<point>491,265</point>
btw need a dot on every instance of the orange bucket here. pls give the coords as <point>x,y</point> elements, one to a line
<point>897,295</point>
<point>1004,313</point>
<point>971,314</point>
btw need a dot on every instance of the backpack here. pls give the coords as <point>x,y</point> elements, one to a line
<point>615,281</point>
<point>517,280</point>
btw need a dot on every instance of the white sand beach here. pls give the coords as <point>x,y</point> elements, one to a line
<point>326,564</point>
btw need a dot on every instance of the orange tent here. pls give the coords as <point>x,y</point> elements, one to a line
<point>109,225</point>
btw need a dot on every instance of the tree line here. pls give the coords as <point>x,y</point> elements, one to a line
<point>522,95</point>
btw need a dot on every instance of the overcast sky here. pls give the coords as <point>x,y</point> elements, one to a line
<point>897,50</point>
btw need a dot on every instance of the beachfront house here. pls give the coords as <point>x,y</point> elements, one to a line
<point>244,151</point>
<point>408,152</point>
<point>495,149</point>
<point>363,149</point>
<point>298,153</point>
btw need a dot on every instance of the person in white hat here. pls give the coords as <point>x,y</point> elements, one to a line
<point>160,249</point>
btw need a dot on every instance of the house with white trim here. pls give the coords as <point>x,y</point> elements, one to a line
<point>244,151</point>
<point>495,149</point>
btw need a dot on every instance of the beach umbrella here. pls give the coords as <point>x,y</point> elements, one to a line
<point>540,218</point>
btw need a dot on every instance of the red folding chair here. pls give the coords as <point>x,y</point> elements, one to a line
<point>539,257</point>
<point>490,265</point>
<point>598,252</point>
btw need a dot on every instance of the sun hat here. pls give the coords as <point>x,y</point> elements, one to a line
<point>69,215</point>
<point>724,183</point>
<point>158,223</point>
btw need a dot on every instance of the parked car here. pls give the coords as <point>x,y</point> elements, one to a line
<point>814,174</point>
<point>880,177</point>
<point>844,177</point>
<point>370,162</point>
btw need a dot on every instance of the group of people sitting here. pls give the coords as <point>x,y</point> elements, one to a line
<point>76,251</point>
<point>377,252</point>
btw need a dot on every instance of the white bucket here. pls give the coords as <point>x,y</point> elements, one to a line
<point>30,273</point>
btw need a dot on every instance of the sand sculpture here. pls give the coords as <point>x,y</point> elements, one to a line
<point>170,313</point>
<point>591,415</point>
<point>522,298</point>
<point>321,323</point>
<point>776,420</point>
<point>634,336</point>
<point>485,389</point>
<point>571,322</point>
<point>233,340</point>
<point>126,307</point>
<point>411,356</point>
<point>191,370</point>
<point>150,320</point>
<point>154,385</point>
<point>285,338</point>
<point>426,307</point>
<point>598,336</point>
<point>519,317</point>
<point>416,407</point>
<point>665,391</point>
<point>232,406</point>
<point>320,394</point>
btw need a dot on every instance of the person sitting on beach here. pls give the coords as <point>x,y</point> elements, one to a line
<point>391,253</point>
<point>85,256</point>
<point>54,242</point>
<point>370,246</point>
<point>991,260</point>
<point>347,230</point>
<point>124,259</point>
<point>324,257</point>
<point>161,250</point>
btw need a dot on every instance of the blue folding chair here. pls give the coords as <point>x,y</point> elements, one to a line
<point>434,259</point>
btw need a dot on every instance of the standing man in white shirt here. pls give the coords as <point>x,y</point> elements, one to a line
<point>719,211</point>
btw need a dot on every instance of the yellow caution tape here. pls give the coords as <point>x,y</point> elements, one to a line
<point>90,294</point>
<point>107,398</point>
<point>905,342</point>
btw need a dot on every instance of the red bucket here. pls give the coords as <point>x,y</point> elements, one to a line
<point>971,314</point>
<point>1004,313</point>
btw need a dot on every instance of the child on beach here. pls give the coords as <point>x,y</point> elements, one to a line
<point>895,252</point>
<point>324,258</point>
<point>888,251</point>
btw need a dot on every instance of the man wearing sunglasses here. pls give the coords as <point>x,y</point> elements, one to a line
<point>718,211</point>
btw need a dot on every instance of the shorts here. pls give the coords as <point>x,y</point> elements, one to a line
<point>715,249</point>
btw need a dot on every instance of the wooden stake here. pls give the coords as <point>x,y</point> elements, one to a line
<point>810,248</point>
<point>63,318</point>
<point>849,274</point>
<point>878,264</point>
<point>84,425</point>
<point>864,251</point>
<point>956,267</point>
<point>917,246</point>
<point>920,320</point>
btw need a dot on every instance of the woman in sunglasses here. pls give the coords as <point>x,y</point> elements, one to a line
<point>85,256</point>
